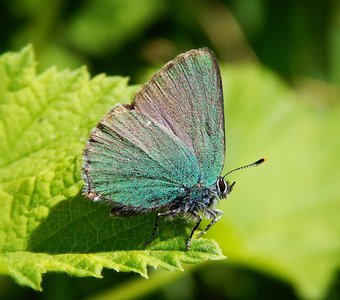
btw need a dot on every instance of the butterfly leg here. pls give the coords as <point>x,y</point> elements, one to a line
<point>198,219</point>
<point>156,226</point>
<point>215,214</point>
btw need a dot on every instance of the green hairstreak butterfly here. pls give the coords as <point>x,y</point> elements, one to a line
<point>164,153</point>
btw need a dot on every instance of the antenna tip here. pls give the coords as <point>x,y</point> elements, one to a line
<point>260,161</point>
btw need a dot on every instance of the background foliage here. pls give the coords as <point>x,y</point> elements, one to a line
<point>281,228</point>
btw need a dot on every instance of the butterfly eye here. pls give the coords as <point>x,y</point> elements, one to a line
<point>221,186</point>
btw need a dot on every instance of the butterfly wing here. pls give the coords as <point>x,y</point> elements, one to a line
<point>186,97</point>
<point>134,161</point>
<point>172,137</point>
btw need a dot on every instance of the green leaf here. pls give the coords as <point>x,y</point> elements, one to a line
<point>45,223</point>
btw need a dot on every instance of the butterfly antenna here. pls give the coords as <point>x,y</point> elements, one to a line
<point>254,164</point>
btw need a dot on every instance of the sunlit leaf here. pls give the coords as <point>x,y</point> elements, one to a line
<point>45,223</point>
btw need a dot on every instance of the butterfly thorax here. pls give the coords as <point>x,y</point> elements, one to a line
<point>200,198</point>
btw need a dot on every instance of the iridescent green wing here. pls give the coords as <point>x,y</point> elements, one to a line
<point>186,97</point>
<point>135,162</point>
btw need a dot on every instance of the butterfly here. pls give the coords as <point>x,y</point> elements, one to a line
<point>164,152</point>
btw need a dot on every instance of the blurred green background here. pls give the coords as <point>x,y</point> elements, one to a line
<point>298,40</point>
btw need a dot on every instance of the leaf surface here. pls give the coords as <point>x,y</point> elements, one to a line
<point>45,224</point>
